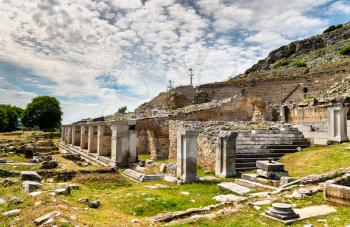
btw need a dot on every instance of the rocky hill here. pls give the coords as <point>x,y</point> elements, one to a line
<point>310,65</point>
<point>332,45</point>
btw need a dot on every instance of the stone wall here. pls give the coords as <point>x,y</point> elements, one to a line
<point>308,114</point>
<point>153,137</point>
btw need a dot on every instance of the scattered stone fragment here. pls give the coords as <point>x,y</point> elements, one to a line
<point>2,201</point>
<point>228,198</point>
<point>16,201</point>
<point>148,163</point>
<point>142,163</point>
<point>52,164</point>
<point>12,212</point>
<point>43,219</point>
<point>3,160</point>
<point>30,176</point>
<point>162,167</point>
<point>34,194</point>
<point>28,153</point>
<point>95,204</point>
<point>261,202</point>
<point>31,186</point>
<point>84,200</point>
<point>63,191</point>
<point>157,186</point>
<point>234,187</point>
<point>185,193</point>
<point>134,221</point>
<point>208,178</point>
<point>74,186</point>
<point>171,179</point>
<point>7,183</point>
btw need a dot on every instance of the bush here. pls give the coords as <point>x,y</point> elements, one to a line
<point>299,64</point>
<point>9,117</point>
<point>332,28</point>
<point>43,112</point>
<point>345,51</point>
<point>281,64</point>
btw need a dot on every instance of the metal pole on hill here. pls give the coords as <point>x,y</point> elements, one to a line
<point>191,76</point>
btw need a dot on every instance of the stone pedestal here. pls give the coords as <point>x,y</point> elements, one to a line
<point>225,165</point>
<point>282,211</point>
<point>120,143</point>
<point>337,124</point>
<point>92,140</point>
<point>270,170</point>
<point>187,156</point>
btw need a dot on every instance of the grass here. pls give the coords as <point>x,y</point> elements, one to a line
<point>345,51</point>
<point>317,159</point>
<point>299,64</point>
<point>280,64</point>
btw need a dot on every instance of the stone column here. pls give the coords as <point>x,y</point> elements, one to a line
<point>225,165</point>
<point>73,134</point>
<point>91,139</point>
<point>82,137</point>
<point>62,134</point>
<point>69,136</point>
<point>337,124</point>
<point>132,145</point>
<point>100,135</point>
<point>187,156</point>
<point>120,143</point>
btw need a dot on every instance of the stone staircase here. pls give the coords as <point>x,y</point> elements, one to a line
<point>266,144</point>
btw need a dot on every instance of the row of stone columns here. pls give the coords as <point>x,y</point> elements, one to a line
<point>186,161</point>
<point>114,140</point>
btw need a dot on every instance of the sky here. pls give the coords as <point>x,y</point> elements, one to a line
<point>95,56</point>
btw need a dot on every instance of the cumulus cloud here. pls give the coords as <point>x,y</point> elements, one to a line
<point>104,54</point>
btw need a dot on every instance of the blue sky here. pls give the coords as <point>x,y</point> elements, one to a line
<point>96,56</point>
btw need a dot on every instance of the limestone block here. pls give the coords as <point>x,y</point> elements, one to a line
<point>337,194</point>
<point>234,187</point>
<point>225,165</point>
<point>30,186</point>
<point>187,156</point>
<point>30,176</point>
<point>270,166</point>
<point>276,175</point>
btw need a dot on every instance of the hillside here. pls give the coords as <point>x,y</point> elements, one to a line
<point>315,63</point>
<point>330,46</point>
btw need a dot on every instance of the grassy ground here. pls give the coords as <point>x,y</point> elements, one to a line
<point>317,159</point>
<point>123,200</point>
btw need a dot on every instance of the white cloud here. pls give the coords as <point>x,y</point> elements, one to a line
<point>340,7</point>
<point>74,42</point>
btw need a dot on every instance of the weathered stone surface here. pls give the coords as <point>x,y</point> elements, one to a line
<point>12,212</point>
<point>30,186</point>
<point>337,194</point>
<point>46,217</point>
<point>270,165</point>
<point>2,201</point>
<point>276,175</point>
<point>30,176</point>
<point>234,187</point>
<point>249,176</point>
<point>63,191</point>
<point>228,198</point>
<point>282,211</point>
<point>50,164</point>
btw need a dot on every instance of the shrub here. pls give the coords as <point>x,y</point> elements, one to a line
<point>345,51</point>
<point>281,64</point>
<point>44,112</point>
<point>299,64</point>
<point>332,28</point>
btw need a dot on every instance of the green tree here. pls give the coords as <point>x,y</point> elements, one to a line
<point>122,110</point>
<point>9,116</point>
<point>44,112</point>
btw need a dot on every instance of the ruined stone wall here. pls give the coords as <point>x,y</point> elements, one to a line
<point>153,137</point>
<point>308,114</point>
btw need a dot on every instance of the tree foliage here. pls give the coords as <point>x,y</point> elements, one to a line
<point>122,110</point>
<point>332,28</point>
<point>43,112</point>
<point>9,116</point>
